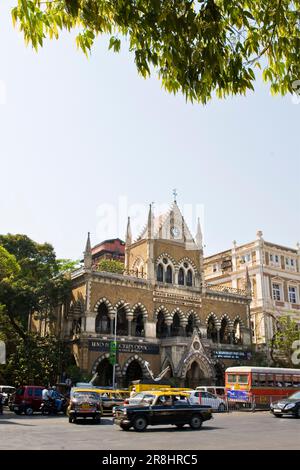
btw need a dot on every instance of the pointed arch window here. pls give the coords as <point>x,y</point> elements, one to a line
<point>160,273</point>
<point>169,275</point>
<point>181,277</point>
<point>189,278</point>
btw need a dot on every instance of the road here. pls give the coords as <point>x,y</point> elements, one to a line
<point>237,430</point>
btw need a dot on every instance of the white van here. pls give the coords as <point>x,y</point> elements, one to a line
<point>6,391</point>
<point>219,392</point>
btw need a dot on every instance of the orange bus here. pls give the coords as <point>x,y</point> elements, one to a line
<point>260,386</point>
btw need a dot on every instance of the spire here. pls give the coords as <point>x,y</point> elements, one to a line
<point>128,233</point>
<point>150,223</point>
<point>248,282</point>
<point>199,238</point>
<point>88,253</point>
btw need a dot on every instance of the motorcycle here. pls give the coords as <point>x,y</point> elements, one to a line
<point>49,407</point>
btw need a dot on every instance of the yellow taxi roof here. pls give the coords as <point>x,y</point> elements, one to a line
<point>164,392</point>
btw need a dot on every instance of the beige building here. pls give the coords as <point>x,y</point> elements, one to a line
<point>165,314</point>
<point>274,273</point>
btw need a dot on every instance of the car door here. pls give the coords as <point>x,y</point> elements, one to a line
<point>212,401</point>
<point>161,411</point>
<point>37,399</point>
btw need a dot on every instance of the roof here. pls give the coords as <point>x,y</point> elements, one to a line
<point>263,370</point>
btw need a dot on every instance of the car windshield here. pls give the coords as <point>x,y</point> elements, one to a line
<point>295,396</point>
<point>86,396</point>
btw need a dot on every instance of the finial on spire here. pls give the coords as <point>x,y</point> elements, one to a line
<point>88,259</point>
<point>199,237</point>
<point>175,194</point>
<point>128,233</point>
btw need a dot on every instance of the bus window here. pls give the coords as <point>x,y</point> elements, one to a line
<point>270,380</point>
<point>255,381</point>
<point>243,379</point>
<point>262,380</point>
<point>231,378</point>
<point>279,380</point>
<point>296,381</point>
<point>288,381</point>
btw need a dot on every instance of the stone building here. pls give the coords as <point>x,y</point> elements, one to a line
<point>166,315</point>
<point>274,273</point>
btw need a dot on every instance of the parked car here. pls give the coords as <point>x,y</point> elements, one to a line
<point>27,399</point>
<point>206,398</point>
<point>6,391</point>
<point>166,408</point>
<point>220,392</point>
<point>287,406</point>
<point>85,403</point>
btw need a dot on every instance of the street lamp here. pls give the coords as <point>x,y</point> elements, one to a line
<point>115,346</point>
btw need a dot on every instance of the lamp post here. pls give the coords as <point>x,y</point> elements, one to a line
<point>115,346</point>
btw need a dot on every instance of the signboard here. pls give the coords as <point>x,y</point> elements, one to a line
<point>229,354</point>
<point>124,347</point>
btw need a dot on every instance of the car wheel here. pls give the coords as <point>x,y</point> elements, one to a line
<point>179,426</point>
<point>18,412</point>
<point>125,427</point>
<point>29,411</point>
<point>278,416</point>
<point>221,408</point>
<point>196,422</point>
<point>97,420</point>
<point>140,423</point>
<point>70,419</point>
<point>298,412</point>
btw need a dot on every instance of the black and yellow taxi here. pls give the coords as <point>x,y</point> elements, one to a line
<point>85,403</point>
<point>165,408</point>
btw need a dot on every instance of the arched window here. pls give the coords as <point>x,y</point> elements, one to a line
<point>160,273</point>
<point>169,275</point>
<point>175,327</point>
<point>138,323</point>
<point>181,277</point>
<point>161,326</point>
<point>224,332</point>
<point>102,320</point>
<point>122,323</point>
<point>189,278</point>
<point>212,330</point>
<point>191,324</point>
<point>237,335</point>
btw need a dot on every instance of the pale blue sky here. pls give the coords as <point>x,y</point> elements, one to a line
<point>78,133</point>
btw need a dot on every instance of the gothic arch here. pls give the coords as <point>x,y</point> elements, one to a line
<point>181,315</point>
<point>170,259</point>
<point>204,363</point>
<point>100,359</point>
<point>238,318</point>
<point>105,301</point>
<point>225,316</point>
<point>162,309</point>
<point>190,263</point>
<point>140,360</point>
<point>142,307</point>
<point>193,312</point>
<point>213,316</point>
<point>125,305</point>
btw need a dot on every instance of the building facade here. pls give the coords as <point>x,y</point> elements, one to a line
<point>274,273</point>
<point>165,315</point>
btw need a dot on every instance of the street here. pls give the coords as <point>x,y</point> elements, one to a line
<point>238,430</point>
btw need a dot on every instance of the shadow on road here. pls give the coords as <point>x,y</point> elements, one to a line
<point>182,430</point>
<point>15,423</point>
<point>85,422</point>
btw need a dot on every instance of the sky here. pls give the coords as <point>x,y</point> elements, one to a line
<point>86,142</point>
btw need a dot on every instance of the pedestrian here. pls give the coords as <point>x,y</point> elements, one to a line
<point>132,393</point>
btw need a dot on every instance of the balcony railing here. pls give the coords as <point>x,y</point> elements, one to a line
<point>227,290</point>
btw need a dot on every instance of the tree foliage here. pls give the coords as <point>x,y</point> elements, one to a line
<point>38,284</point>
<point>111,266</point>
<point>286,334</point>
<point>197,47</point>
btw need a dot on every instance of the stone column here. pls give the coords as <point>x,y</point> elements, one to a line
<point>112,317</point>
<point>129,326</point>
